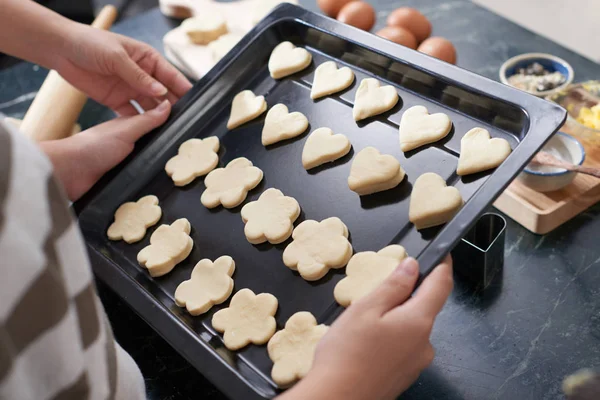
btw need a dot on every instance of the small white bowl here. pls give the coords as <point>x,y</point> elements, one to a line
<point>548,179</point>
<point>548,61</point>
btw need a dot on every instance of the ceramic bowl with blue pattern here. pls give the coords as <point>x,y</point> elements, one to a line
<point>548,61</point>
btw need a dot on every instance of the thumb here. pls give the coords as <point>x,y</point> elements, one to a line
<point>130,129</point>
<point>395,289</point>
<point>139,79</point>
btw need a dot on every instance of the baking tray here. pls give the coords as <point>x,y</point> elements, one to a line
<point>373,221</point>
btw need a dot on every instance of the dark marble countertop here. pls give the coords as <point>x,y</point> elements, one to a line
<point>542,324</point>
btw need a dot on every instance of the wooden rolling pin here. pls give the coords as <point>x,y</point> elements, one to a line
<point>57,106</point>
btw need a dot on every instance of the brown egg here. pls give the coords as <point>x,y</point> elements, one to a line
<point>332,7</point>
<point>358,14</point>
<point>399,35</point>
<point>411,19</point>
<point>439,47</point>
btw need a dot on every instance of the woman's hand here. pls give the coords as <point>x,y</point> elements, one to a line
<point>113,69</point>
<point>80,160</point>
<point>378,347</point>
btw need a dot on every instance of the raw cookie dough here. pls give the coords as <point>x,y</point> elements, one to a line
<point>209,284</point>
<point>229,186</point>
<point>222,45</point>
<point>292,349</point>
<point>281,125</point>
<point>433,203</point>
<point>133,218</point>
<point>373,99</point>
<point>318,247</point>
<point>365,271</point>
<point>372,172</point>
<point>196,157</point>
<point>205,27</point>
<point>250,318</point>
<point>270,218</point>
<point>169,245</point>
<point>322,146</point>
<point>479,153</point>
<point>418,128</point>
<point>329,79</point>
<point>287,59</point>
<point>245,107</point>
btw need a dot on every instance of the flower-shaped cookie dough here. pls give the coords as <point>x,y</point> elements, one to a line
<point>292,349</point>
<point>248,319</point>
<point>133,218</point>
<point>169,245</point>
<point>270,218</point>
<point>318,247</point>
<point>229,186</point>
<point>196,157</point>
<point>365,271</point>
<point>209,284</point>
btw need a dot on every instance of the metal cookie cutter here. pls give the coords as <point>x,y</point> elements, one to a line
<point>479,256</point>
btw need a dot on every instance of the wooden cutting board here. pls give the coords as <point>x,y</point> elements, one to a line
<point>544,212</point>
<point>196,60</point>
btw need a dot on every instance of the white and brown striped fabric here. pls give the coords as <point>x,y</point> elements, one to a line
<point>55,340</point>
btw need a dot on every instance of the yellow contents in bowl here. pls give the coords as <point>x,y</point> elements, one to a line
<point>590,117</point>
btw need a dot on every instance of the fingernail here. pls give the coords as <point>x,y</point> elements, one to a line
<point>409,267</point>
<point>162,107</point>
<point>158,89</point>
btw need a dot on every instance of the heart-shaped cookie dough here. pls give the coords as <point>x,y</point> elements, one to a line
<point>479,153</point>
<point>322,146</point>
<point>418,128</point>
<point>329,79</point>
<point>373,99</point>
<point>287,59</point>
<point>281,125</point>
<point>245,107</point>
<point>433,203</point>
<point>372,172</point>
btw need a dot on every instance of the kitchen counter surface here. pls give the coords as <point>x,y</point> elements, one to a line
<point>542,321</point>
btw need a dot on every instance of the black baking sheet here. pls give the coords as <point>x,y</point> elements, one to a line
<point>374,221</point>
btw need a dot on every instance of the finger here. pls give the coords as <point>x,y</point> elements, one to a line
<point>174,80</point>
<point>172,98</point>
<point>395,289</point>
<point>126,110</point>
<point>130,129</point>
<point>434,291</point>
<point>147,103</point>
<point>139,79</point>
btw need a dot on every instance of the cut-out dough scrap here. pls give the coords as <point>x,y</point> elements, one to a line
<point>229,186</point>
<point>478,152</point>
<point>245,107</point>
<point>250,318</point>
<point>292,349</point>
<point>133,218</point>
<point>373,99</point>
<point>329,80</point>
<point>433,203</point>
<point>373,172</point>
<point>318,247</point>
<point>205,27</point>
<point>322,146</point>
<point>287,59</point>
<point>270,218</point>
<point>418,128</point>
<point>196,157</point>
<point>223,44</point>
<point>169,245</point>
<point>209,284</point>
<point>365,271</point>
<point>281,125</point>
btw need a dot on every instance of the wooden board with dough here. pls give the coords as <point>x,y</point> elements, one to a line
<point>373,221</point>
<point>196,60</point>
